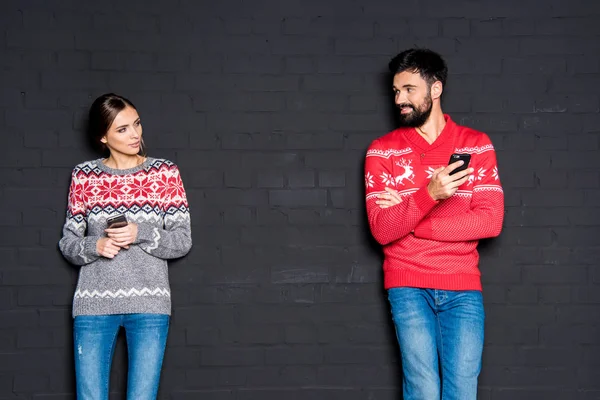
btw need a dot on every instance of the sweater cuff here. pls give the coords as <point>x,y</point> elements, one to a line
<point>144,233</point>
<point>90,249</point>
<point>424,229</point>
<point>424,200</point>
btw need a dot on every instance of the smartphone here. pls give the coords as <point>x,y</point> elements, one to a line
<point>117,221</point>
<point>456,157</point>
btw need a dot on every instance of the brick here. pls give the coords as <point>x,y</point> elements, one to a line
<point>574,84</point>
<point>547,274</point>
<point>300,334</point>
<point>36,296</point>
<point>257,141</point>
<point>553,104</point>
<point>238,179</point>
<point>487,27</point>
<point>360,47</point>
<point>73,60</point>
<point>566,26</point>
<point>328,26</point>
<point>518,27</point>
<point>576,314</point>
<point>270,179</point>
<point>141,81</point>
<point>538,64</point>
<point>508,46</point>
<point>350,64</point>
<point>332,179</point>
<point>298,197</point>
<point>303,355</point>
<point>31,382</point>
<point>231,356</point>
<point>291,274</point>
<point>40,40</point>
<point>583,64</point>
<point>454,27</point>
<point>584,104</point>
<point>208,394</point>
<point>583,180</point>
<point>516,295</point>
<point>591,123</point>
<point>515,84</point>
<point>299,45</point>
<point>532,394</point>
<point>273,217</point>
<point>556,46</point>
<point>251,335</point>
<point>20,318</point>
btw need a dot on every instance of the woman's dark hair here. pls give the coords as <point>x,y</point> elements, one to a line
<point>102,114</point>
<point>429,64</point>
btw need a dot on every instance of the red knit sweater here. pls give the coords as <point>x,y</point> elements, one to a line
<point>426,243</point>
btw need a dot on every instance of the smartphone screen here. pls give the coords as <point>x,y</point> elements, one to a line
<point>117,221</point>
<point>456,157</point>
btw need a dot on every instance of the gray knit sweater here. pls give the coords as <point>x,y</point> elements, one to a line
<point>136,280</point>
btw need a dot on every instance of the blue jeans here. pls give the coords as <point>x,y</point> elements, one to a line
<point>94,339</point>
<point>440,334</point>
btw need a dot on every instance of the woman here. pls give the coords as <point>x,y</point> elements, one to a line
<point>123,280</point>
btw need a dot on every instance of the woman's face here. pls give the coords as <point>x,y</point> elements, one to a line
<point>125,134</point>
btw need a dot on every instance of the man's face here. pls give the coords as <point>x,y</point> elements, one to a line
<point>413,99</point>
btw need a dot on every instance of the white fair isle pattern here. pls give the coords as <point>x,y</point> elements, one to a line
<point>402,193</point>
<point>369,183</point>
<point>156,238</point>
<point>82,251</point>
<point>150,195</point>
<point>478,176</point>
<point>388,152</point>
<point>408,173</point>
<point>491,188</point>
<point>475,149</point>
<point>388,179</point>
<point>133,292</point>
<point>463,193</point>
<point>429,171</point>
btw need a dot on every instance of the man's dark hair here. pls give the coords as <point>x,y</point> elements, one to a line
<point>429,64</point>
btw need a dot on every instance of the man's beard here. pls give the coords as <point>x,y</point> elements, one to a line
<point>418,116</point>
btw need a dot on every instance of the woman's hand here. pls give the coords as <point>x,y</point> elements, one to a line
<point>106,247</point>
<point>124,236</point>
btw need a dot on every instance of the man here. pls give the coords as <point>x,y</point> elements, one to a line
<point>429,222</point>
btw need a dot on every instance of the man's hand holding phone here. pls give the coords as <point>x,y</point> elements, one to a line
<point>445,181</point>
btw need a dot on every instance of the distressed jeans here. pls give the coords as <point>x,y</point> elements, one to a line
<point>440,334</point>
<point>94,339</point>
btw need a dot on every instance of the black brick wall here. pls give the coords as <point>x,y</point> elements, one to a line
<point>268,107</point>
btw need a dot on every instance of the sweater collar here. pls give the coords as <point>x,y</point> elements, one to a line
<point>418,141</point>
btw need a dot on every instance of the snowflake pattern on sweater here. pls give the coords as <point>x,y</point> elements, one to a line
<point>150,195</point>
<point>428,243</point>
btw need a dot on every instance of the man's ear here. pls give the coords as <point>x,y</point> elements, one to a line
<point>436,90</point>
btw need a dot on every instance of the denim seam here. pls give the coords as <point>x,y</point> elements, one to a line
<point>441,354</point>
<point>111,350</point>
